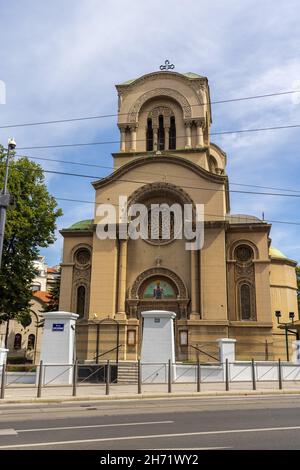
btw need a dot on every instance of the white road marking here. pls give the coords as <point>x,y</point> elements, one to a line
<point>8,432</point>
<point>151,436</point>
<point>94,426</point>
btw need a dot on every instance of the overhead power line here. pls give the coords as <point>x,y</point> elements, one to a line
<point>223,217</point>
<point>95,165</point>
<point>96,177</point>
<point>102,116</point>
<point>107,142</point>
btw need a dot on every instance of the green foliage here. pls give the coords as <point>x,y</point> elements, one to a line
<point>30,225</point>
<point>52,305</point>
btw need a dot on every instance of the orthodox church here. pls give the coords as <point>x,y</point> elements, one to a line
<point>231,287</point>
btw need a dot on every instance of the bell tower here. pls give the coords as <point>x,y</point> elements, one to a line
<point>165,112</point>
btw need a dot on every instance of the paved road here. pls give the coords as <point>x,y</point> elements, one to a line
<point>269,422</point>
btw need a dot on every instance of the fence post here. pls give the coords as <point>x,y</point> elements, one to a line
<point>139,377</point>
<point>170,376</point>
<point>75,374</point>
<point>198,375</point>
<point>253,374</point>
<point>279,374</point>
<point>3,380</point>
<point>107,378</point>
<point>226,375</point>
<point>40,380</point>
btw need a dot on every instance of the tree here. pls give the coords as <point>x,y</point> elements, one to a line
<point>30,225</point>
<point>54,291</point>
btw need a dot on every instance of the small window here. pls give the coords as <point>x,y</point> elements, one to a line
<point>31,342</point>
<point>80,304</point>
<point>245,301</point>
<point>18,341</point>
<point>149,136</point>
<point>161,133</point>
<point>36,287</point>
<point>172,134</point>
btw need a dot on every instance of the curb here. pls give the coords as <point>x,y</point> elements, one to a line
<point>142,396</point>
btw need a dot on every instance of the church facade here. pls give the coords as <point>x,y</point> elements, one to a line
<point>231,287</point>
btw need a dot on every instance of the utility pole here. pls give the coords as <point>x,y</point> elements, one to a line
<point>5,197</point>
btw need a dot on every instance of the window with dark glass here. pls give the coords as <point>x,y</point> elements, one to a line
<point>149,136</point>
<point>161,133</point>
<point>172,134</point>
<point>245,301</point>
<point>31,341</point>
<point>18,341</point>
<point>80,305</point>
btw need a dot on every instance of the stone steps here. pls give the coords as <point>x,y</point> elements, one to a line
<point>127,372</point>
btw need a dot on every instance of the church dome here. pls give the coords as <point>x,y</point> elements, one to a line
<point>82,225</point>
<point>275,253</point>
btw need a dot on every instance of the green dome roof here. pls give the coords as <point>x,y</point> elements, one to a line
<point>275,253</point>
<point>82,225</point>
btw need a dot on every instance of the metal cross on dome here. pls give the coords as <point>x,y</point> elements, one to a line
<point>167,66</point>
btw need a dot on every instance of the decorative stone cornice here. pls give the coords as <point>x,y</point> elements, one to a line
<point>146,159</point>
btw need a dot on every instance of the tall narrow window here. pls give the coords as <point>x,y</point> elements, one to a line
<point>172,134</point>
<point>31,342</point>
<point>245,301</point>
<point>161,133</point>
<point>149,135</point>
<point>80,304</point>
<point>18,341</point>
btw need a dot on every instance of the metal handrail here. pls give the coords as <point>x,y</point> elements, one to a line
<point>207,354</point>
<point>109,350</point>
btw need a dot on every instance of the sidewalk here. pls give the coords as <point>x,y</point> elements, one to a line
<point>85,392</point>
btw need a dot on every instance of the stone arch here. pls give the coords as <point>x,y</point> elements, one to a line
<point>236,243</point>
<point>162,272</point>
<point>148,190</point>
<point>158,92</point>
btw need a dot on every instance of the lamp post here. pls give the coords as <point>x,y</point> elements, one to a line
<point>4,196</point>
<point>286,329</point>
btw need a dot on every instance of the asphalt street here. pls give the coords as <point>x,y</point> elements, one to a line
<point>267,422</point>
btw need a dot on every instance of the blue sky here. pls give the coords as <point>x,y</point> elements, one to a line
<point>61,59</point>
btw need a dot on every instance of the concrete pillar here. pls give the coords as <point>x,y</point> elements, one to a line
<point>58,347</point>
<point>167,132</point>
<point>155,139</point>
<point>188,135</point>
<point>158,345</point>
<point>199,135</point>
<point>3,355</point>
<point>122,271</point>
<point>227,349</point>
<point>133,138</point>
<point>296,351</point>
<point>123,141</point>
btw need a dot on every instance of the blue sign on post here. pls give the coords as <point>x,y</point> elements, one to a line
<point>58,327</point>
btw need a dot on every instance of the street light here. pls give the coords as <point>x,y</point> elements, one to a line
<point>4,196</point>
<point>286,329</point>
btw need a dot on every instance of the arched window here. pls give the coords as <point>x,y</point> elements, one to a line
<point>172,134</point>
<point>212,164</point>
<point>245,301</point>
<point>80,304</point>
<point>149,135</point>
<point>31,342</point>
<point>18,341</point>
<point>161,133</point>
